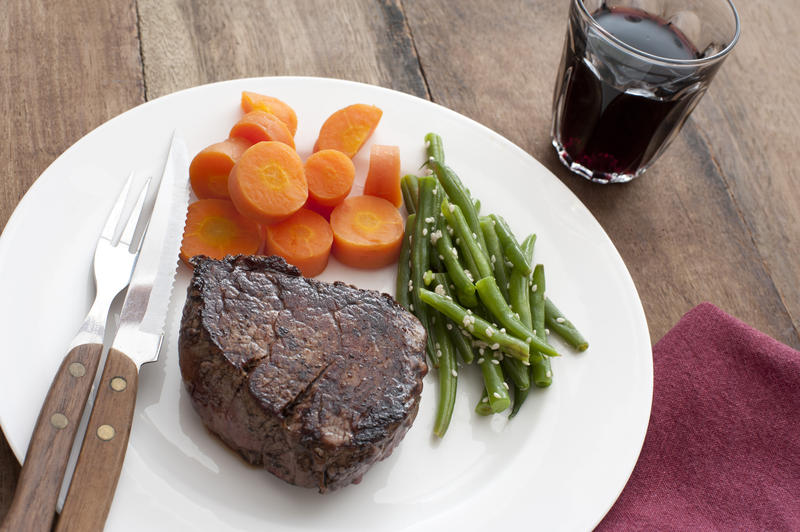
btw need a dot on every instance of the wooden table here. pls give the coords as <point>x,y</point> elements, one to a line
<point>717,219</point>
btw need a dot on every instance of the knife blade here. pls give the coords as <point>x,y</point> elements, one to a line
<point>137,341</point>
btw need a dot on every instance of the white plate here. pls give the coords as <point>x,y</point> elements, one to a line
<point>560,464</point>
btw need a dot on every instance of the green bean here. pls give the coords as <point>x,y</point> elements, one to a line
<point>520,305</point>
<point>465,290</point>
<point>563,327</point>
<point>455,218</point>
<point>435,149</point>
<point>519,398</point>
<point>493,380</point>
<point>404,265</point>
<point>459,195</point>
<point>476,325</point>
<point>519,289</point>
<point>517,371</point>
<point>409,186</point>
<point>511,248</point>
<point>420,256</point>
<point>493,300</point>
<point>541,370</point>
<point>448,377</point>
<point>460,342</point>
<point>495,253</point>
<point>483,408</point>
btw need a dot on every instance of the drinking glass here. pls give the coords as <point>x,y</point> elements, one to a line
<point>631,73</point>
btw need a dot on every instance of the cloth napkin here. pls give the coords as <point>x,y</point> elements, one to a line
<point>722,450</point>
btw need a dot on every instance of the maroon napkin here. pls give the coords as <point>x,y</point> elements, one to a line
<point>722,450</point>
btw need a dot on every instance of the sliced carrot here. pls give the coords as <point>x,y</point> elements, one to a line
<point>208,172</point>
<point>215,228</point>
<point>252,101</point>
<point>330,175</point>
<point>304,240</point>
<point>347,129</point>
<point>268,183</point>
<point>367,232</point>
<point>383,176</point>
<point>259,126</point>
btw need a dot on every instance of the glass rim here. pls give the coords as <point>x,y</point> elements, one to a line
<point>656,58</point>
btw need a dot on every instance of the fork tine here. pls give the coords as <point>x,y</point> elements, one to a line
<point>116,211</point>
<point>133,219</point>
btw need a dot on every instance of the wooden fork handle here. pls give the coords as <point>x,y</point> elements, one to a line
<point>34,503</point>
<point>100,460</point>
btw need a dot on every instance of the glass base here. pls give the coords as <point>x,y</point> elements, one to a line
<point>588,173</point>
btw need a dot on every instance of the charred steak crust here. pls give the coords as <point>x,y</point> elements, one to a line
<point>315,381</point>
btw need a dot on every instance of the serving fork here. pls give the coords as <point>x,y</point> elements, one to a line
<point>39,485</point>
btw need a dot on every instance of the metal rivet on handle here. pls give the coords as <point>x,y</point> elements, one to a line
<point>106,432</point>
<point>118,384</point>
<point>76,369</point>
<point>59,420</point>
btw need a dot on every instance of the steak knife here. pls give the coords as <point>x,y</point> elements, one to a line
<point>137,341</point>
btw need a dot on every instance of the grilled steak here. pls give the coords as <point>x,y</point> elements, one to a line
<point>315,381</point>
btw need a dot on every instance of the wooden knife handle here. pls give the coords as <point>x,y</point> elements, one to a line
<point>34,503</point>
<point>100,460</point>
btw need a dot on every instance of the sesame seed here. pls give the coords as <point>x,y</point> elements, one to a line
<point>438,353</point>
<point>547,331</point>
<point>503,330</point>
<point>452,207</point>
<point>481,350</point>
<point>454,373</point>
<point>474,236</point>
<point>526,363</point>
<point>437,344</point>
<point>439,290</point>
<point>489,332</point>
<point>534,288</point>
<point>560,319</point>
<point>495,362</point>
<point>485,400</point>
<point>449,326</point>
<point>424,231</point>
<point>505,384</point>
<point>481,360</point>
<point>496,395</point>
<point>548,374</point>
<point>435,191</point>
<point>508,286</point>
<point>441,257</point>
<point>495,346</point>
<point>430,219</point>
<point>411,307</point>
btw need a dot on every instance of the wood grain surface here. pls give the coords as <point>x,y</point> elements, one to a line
<point>716,219</point>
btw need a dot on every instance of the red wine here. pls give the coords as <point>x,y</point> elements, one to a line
<point>615,119</point>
